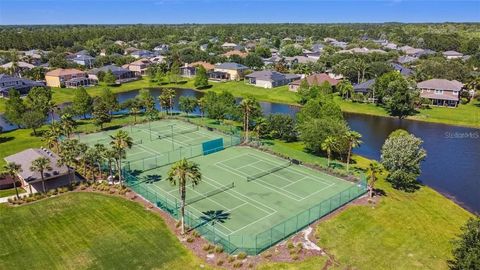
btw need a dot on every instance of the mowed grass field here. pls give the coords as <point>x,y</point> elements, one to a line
<point>87,230</point>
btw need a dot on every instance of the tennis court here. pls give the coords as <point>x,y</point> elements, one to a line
<point>245,193</point>
<point>160,142</point>
<point>248,199</point>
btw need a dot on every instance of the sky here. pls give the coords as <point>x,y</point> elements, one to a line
<point>235,11</point>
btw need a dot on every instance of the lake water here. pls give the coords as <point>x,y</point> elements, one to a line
<point>452,166</point>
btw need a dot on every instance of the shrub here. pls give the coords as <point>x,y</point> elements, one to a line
<point>231,259</point>
<point>267,255</point>
<point>207,247</point>
<point>218,249</point>
<point>237,265</point>
<point>242,255</point>
<point>195,234</point>
<point>190,239</point>
<point>295,257</point>
<point>290,245</point>
<point>220,262</point>
<point>250,265</point>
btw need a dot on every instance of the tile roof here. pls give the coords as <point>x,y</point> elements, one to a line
<point>63,72</point>
<point>317,79</point>
<point>440,84</point>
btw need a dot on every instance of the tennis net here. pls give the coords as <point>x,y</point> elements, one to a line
<point>270,171</point>
<point>210,193</point>
<point>183,131</point>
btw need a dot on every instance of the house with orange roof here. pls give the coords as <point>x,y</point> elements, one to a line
<point>235,52</point>
<point>70,78</point>
<point>315,79</point>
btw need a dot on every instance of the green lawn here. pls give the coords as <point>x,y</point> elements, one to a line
<point>86,230</point>
<point>10,192</point>
<point>404,231</point>
<point>465,115</point>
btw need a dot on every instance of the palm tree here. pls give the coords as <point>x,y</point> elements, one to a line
<point>120,142</point>
<point>82,156</point>
<point>353,139</point>
<point>184,172</point>
<point>12,169</point>
<point>40,165</point>
<point>328,145</point>
<point>67,124</point>
<point>248,106</point>
<point>52,135</point>
<point>166,98</point>
<point>92,157</point>
<point>99,150</point>
<point>374,168</point>
<point>202,104</point>
<point>68,156</point>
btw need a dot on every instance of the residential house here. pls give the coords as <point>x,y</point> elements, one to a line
<point>441,92</point>
<point>362,51</point>
<point>406,59</point>
<point>313,55</point>
<point>36,54</point>
<point>20,67</point>
<point>70,78</point>
<point>204,47</point>
<point>415,52</point>
<point>364,87</point>
<point>315,79</point>
<point>23,86</point>
<point>235,52</point>
<point>139,67</point>
<point>452,55</point>
<point>231,46</point>
<point>142,54</point>
<point>122,75</point>
<point>292,61</point>
<point>269,78</point>
<point>162,49</point>
<point>403,70</point>
<point>272,60</point>
<point>157,59</point>
<point>339,44</point>
<point>228,71</point>
<point>317,47</point>
<point>390,46</point>
<point>31,181</point>
<point>84,60</point>
<point>190,70</point>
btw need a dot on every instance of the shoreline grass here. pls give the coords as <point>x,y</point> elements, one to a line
<point>467,115</point>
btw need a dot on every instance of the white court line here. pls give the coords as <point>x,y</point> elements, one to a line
<point>234,171</point>
<point>305,177</point>
<point>190,206</point>
<point>258,220</point>
<point>300,172</point>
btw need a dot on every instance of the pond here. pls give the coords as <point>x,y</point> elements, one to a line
<point>452,166</point>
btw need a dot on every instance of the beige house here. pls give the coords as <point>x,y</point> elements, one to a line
<point>452,55</point>
<point>441,92</point>
<point>68,78</point>
<point>139,67</point>
<point>232,71</point>
<point>315,79</point>
<point>31,181</point>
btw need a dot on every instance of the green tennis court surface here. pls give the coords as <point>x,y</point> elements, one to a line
<point>248,200</point>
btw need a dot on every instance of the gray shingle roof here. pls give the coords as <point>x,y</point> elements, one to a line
<point>231,65</point>
<point>269,75</point>
<point>25,159</point>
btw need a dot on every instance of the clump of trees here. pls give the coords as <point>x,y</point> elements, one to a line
<point>32,111</point>
<point>466,254</point>
<point>402,154</point>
